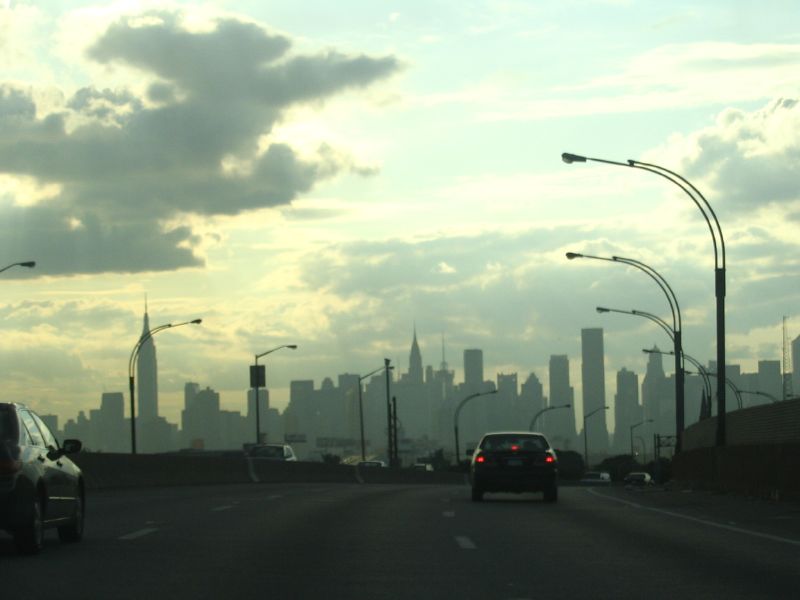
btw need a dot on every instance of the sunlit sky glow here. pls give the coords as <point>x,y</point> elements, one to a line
<point>329,174</point>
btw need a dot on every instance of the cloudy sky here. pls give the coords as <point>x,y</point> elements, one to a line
<point>329,174</point>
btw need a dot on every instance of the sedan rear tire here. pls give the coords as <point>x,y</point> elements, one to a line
<point>29,538</point>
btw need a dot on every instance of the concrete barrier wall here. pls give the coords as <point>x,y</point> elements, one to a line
<point>762,470</point>
<point>776,423</point>
<point>107,470</point>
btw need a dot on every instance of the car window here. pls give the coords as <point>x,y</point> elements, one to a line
<point>49,439</point>
<point>269,452</point>
<point>531,443</point>
<point>8,425</point>
<point>33,429</point>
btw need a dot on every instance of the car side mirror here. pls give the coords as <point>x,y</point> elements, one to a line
<point>71,446</point>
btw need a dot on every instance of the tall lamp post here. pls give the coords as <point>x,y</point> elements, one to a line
<point>672,300</point>
<point>634,427</point>
<point>719,261</point>
<point>586,438</point>
<point>361,407</point>
<point>132,365</point>
<point>544,410</point>
<point>257,382</point>
<point>28,264</point>
<point>458,412</point>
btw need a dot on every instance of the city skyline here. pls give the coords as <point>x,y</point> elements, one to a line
<point>329,182</point>
<point>329,411</point>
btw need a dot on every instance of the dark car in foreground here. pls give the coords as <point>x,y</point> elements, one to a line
<point>514,462</point>
<point>40,487</point>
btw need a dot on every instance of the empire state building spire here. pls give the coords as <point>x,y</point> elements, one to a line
<point>415,373</point>
<point>147,374</point>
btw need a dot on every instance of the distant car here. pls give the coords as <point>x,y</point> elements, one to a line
<point>422,467</point>
<point>282,452</point>
<point>638,479</point>
<point>596,478</point>
<point>371,463</point>
<point>40,487</point>
<point>514,462</point>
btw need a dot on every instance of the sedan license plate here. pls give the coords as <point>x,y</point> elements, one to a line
<point>514,462</point>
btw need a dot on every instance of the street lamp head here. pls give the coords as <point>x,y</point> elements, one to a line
<point>573,255</point>
<point>29,263</point>
<point>572,158</point>
<point>567,405</point>
<point>196,321</point>
<point>292,346</point>
<point>602,309</point>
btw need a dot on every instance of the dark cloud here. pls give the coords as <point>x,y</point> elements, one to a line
<point>128,165</point>
<point>749,160</point>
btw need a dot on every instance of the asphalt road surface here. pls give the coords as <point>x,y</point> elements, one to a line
<point>350,541</point>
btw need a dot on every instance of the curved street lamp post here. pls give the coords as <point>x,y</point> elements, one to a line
<point>734,388</point>
<point>257,381</point>
<point>28,264</point>
<point>674,307</point>
<point>719,260</point>
<point>586,438</point>
<point>132,365</point>
<point>634,427</point>
<point>702,371</point>
<point>544,410</point>
<point>458,412</point>
<point>361,406</point>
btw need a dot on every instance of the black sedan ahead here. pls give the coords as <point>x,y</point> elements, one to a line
<point>514,462</point>
<point>39,487</point>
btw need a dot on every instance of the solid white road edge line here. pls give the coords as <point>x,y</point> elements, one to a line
<point>764,536</point>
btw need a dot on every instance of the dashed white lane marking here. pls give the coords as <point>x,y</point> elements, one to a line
<point>449,514</point>
<point>764,536</point>
<point>223,507</point>
<point>138,534</point>
<point>465,543</point>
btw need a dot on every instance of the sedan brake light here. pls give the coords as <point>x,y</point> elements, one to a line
<point>549,459</point>
<point>480,459</point>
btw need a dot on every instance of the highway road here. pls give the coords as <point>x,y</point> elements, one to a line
<point>354,541</point>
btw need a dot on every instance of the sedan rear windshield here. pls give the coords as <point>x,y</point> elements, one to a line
<point>530,443</point>
<point>8,424</point>
<point>269,452</point>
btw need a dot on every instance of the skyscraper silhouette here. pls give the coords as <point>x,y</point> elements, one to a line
<point>415,373</point>
<point>593,380</point>
<point>559,424</point>
<point>147,376</point>
<point>473,369</point>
